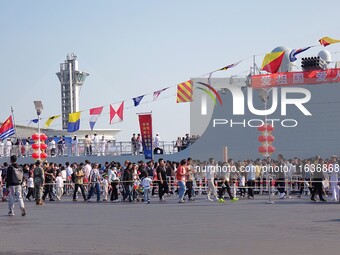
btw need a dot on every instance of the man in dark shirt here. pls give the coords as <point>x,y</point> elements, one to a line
<point>127,182</point>
<point>162,183</point>
<point>49,179</point>
<point>39,179</point>
<point>61,144</point>
<point>142,170</point>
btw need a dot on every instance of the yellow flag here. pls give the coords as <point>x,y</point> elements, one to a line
<point>327,41</point>
<point>50,120</point>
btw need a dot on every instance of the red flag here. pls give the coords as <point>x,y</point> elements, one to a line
<point>116,113</point>
<point>157,93</point>
<point>272,61</point>
<point>325,41</point>
<point>184,92</point>
<point>94,115</point>
<point>145,124</point>
<point>7,128</point>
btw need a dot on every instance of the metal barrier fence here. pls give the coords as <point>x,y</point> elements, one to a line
<point>110,148</point>
<point>263,185</point>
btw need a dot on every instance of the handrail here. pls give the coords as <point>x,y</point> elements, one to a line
<point>110,148</point>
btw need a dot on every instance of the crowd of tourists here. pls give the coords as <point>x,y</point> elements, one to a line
<point>143,181</point>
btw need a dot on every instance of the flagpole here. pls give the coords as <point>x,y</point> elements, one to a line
<point>254,64</point>
<point>15,128</point>
<point>152,138</point>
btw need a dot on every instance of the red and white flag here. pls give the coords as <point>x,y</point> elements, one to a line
<point>94,115</point>
<point>116,112</point>
<point>157,93</point>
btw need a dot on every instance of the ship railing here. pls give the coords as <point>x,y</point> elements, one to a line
<point>110,148</point>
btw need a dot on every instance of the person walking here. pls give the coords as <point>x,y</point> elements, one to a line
<point>146,184</point>
<point>39,179</point>
<point>180,177</point>
<point>210,179</point>
<point>30,186</point>
<point>190,179</point>
<point>94,181</point>
<point>306,176</point>
<point>223,183</point>
<point>49,180</point>
<point>78,182</point>
<point>59,186</point>
<point>334,178</point>
<point>317,178</point>
<point>161,176</point>
<point>251,175</point>
<point>281,176</point>
<point>127,182</point>
<point>14,180</point>
<point>114,181</point>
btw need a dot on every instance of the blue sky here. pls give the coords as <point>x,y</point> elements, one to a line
<point>135,47</point>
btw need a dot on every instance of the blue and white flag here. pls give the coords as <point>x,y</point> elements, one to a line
<point>294,52</point>
<point>137,100</point>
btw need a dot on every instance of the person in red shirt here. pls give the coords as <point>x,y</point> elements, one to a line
<point>180,177</point>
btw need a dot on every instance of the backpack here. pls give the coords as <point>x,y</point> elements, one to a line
<point>17,175</point>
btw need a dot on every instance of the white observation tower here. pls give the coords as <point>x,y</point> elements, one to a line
<point>71,80</point>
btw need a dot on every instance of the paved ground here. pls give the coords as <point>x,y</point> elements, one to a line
<point>291,226</point>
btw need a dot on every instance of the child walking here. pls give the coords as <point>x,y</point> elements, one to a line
<point>30,186</point>
<point>105,187</point>
<point>59,182</point>
<point>146,183</point>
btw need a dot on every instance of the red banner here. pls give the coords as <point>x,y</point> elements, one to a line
<point>145,124</point>
<point>295,78</point>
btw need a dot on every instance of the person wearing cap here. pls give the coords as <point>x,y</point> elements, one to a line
<point>39,179</point>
